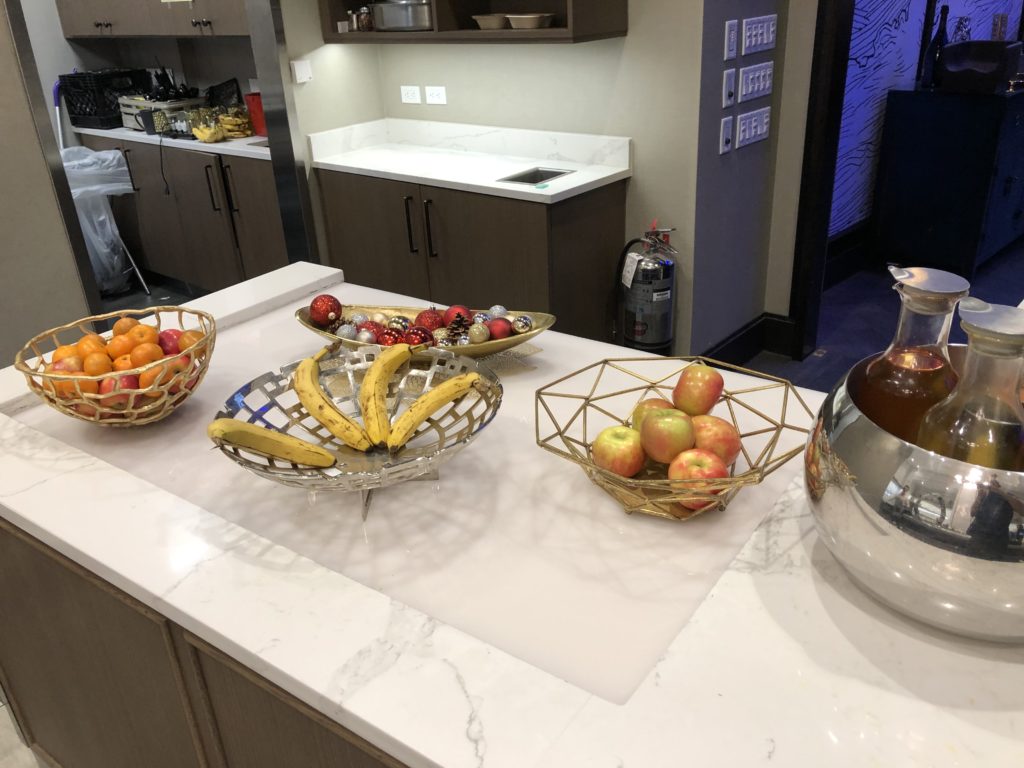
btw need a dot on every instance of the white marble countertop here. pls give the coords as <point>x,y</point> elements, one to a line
<point>782,660</point>
<point>473,158</point>
<point>233,147</point>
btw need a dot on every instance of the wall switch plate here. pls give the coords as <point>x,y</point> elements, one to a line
<point>411,94</point>
<point>756,81</point>
<point>725,136</point>
<point>302,70</point>
<point>436,94</point>
<point>731,36</point>
<point>728,88</point>
<point>753,126</point>
<point>759,33</point>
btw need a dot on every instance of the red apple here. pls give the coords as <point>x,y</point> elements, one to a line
<point>718,436</point>
<point>174,368</point>
<point>698,389</point>
<point>500,327</point>
<point>641,409</point>
<point>70,364</point>
<point>168,341</point>
<point>457,309</point>
<point>618,450</point>
<point>118,384</point>
<point>696,464</point>
<point>665,434</point>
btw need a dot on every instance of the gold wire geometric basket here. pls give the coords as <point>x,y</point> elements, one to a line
<point>768,412</point>
<point>270,401</point>
<point>78,395</point>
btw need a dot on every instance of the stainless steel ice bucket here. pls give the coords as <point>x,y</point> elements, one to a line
<point>937,539</point>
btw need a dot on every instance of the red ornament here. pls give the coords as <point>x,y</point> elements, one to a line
<point>324,310</point>
<point>500,328</point>
<point>389,337</point>
<point>375,328</point>
<point>430,319</point>
<point>418,334</point>
<point>453,311</point>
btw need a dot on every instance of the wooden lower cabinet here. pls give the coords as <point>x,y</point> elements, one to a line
<point>95,679</point>
<point>257,216</point>
<point>450,246</point>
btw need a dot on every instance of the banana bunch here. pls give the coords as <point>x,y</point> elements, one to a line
<point>209,134</point>
<point>235,125</point>
<point>376,431</point>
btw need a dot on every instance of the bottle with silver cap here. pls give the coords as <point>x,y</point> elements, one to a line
<point>982,421</point>
<point>896,388</point>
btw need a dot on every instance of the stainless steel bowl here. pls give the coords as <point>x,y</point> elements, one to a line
<point>937,539</point>
<point>402,16</point>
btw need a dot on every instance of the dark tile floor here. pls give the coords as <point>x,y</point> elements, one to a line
<point>858,318</point>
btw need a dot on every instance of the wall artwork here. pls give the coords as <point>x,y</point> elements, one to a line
<point>883,56</point>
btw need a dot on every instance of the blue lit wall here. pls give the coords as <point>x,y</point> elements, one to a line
<point>883,56</point>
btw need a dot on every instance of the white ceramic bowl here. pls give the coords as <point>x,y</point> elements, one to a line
<point>491,21</point>
<point>530,20</point>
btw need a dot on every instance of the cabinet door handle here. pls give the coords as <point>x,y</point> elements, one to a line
<point>195,22</point>
<point>128,164</point>
<point>209,186</point>
<point>107,24</point>
<point>207,23</point>
<point>229,182</point>
<point>98,24</point>
<point>430,235</point>
<point>408,224</point>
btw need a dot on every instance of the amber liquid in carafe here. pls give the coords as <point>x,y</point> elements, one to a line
<point>900,385</point>
<point>986,432</point>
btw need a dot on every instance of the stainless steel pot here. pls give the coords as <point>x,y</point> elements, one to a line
<point>937,539</point>
<point>401,16</point>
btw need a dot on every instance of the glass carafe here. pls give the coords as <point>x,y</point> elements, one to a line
<point>914,373</point>
<point>982,422</point>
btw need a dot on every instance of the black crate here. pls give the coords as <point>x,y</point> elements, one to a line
<point>91,97</point>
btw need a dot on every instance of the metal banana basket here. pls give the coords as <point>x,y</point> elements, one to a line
<point>270,401</point>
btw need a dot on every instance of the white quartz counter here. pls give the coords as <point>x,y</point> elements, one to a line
<point>473,158</point>
<point>781,660</point>
<point>234,147</point>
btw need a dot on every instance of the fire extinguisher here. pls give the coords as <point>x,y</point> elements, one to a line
<point>647,274</point>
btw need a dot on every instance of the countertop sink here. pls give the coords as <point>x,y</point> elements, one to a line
<point>535,176</point>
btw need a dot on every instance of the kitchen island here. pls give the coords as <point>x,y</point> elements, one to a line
<point>732,639</point>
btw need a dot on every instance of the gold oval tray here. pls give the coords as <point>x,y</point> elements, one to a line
<point>541,322</point>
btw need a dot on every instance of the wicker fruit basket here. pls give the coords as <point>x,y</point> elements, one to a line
<point>80,395</point>
<point>768,412</point>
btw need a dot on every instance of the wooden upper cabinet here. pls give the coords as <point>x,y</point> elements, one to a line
<point>225,17</point>
<point>152,18</point>
<point>82,18</point>
<point>573,21</point>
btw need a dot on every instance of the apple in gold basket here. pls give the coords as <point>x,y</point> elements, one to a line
<point>697,464</point>
<point>665,434</point>
<point>718,436</point>
<point>698,389</point>
<point>618,449</point>
<point>641,409</point>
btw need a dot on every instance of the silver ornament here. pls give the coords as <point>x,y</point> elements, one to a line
<point>445,342</point>
<point>522,324</point>
<point>440,334</point>
<point>346,331</point>
<point>464,340</point>
<point>498,311</point>
<point>478,333</point>
<point>367,337</point>
<point>399,323</point>
<point>379,317</point>
<point>359,318</point>
<point>482,317</point>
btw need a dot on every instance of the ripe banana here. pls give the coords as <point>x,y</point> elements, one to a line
<point>277,445</point>
<point>373,392</point>
<point>429,403</point>
<point>306,382</point>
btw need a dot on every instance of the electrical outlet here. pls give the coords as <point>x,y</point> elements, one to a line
<point>759,33</point>
<point>411,94</point>
<point>753,126</point>
<point>731,35</point>
<point>436,94</point>
<point>756,81</point>
<point>725,136</point>
<point>728,88</point>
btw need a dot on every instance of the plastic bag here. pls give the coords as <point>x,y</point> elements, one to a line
<point>93,176</point>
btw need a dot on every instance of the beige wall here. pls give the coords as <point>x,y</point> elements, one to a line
<point>41,287</point>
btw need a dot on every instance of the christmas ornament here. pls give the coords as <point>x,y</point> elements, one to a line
<point>522,324</point>
<point>346,331</point>
<point>379,317</point>
<point>430,319</point>
<point>359,318</point>
<point>367,337</point>
<point>500,328</point>
<point>445,342</point>
<point>399,323</point>
<point>389,337</point>
<point>324,310</point>
<point>455,311</point>
<point>419,335</point>
<point>375,328</point>
<point>498,311</point>
<point>478,333</point>
<point>464,340</point>
<point>440,334</point>
<point>481,317</point>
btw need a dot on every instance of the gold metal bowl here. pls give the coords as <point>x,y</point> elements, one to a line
<point>270,401</point>
<point>541,322</point>
<point>768,412</point>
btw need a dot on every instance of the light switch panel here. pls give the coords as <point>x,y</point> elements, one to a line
<point>759,33</point>
<point>411,94</point>
<point>728,88</point>
<point>725,136</point>
<point>753,126</point>
<point>731,36</point>
<point>756,81</point>
<point>436,94</point>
